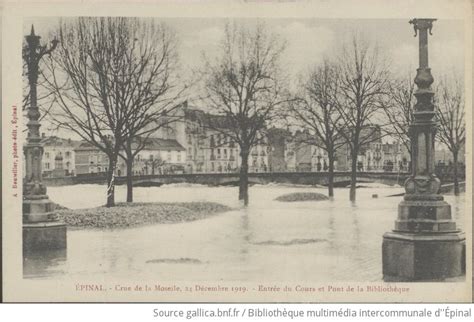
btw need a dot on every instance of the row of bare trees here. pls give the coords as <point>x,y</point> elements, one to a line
<point>340,103</point>
<point>115,82</point>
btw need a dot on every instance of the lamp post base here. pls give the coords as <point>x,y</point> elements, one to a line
<point>423,256</point>
<point>43,236</point>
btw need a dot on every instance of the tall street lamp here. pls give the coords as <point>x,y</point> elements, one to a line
<point>425,244</point>
<point>41,230</point>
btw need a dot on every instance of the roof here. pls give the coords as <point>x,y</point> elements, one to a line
<point>161,144</point>
<point>86,146</point>
<point>151,144</point>
<point>207,119</point>
<point>56,141</point>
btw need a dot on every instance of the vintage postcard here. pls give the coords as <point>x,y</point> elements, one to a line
<point>237,151</point>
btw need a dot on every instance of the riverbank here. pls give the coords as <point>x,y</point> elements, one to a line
<point>125,215</point>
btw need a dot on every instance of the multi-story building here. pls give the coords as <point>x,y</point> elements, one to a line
<point>302,154</point>
<point>158,156</point>
<point>276,143</point>
<point>370,155</point>
<point>90,160</point>
<point>395,157</point>
<point>209,149</point>
<point>58,157</point>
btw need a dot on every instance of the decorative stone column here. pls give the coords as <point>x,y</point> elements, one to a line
<point>41,230</point>
<point>425,244</point>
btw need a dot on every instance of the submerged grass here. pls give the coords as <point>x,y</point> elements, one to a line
<point>125,215</point>
<point>302,196</point>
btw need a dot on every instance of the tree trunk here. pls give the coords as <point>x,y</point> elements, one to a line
<point>129,163</point>
<point>111,181</point>
<point>331,175</point>
<point>455,174</point>
<point>352,193</point>
<point>244,177</point>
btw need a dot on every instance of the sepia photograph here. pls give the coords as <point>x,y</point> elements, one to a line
<point>242,158</point>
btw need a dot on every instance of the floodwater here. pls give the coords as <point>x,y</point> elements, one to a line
<point>331,240</point>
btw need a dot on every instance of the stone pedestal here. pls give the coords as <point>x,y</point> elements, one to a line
<point>41,229</point>
<point>423,256</point>
<point>44,236</point>
<point>425,244</point>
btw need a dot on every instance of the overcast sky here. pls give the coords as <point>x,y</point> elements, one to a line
<point>310,40</point>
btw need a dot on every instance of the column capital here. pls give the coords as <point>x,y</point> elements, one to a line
<point>422,24</point>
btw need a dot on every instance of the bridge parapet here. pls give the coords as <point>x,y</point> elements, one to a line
<point>305,178</point>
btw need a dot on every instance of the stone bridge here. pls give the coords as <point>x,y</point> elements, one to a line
<point>341,179</point>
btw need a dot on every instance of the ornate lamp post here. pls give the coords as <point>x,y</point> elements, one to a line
<point>41,230</point>
<point>425,243</point>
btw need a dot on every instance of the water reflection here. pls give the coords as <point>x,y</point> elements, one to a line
<point>44,263</point>
<point>330,240</point>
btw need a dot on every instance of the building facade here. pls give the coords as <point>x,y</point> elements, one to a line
<point>59,156</point>
<point>90,160</point>
<point>158,156</point>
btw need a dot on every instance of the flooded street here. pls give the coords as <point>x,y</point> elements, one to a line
<point>331,240</point>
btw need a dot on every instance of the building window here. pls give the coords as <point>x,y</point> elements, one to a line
<point>68,154</point>
<point>169,155</point>
<point>46,155</point>
<point>151,157</point>
<point>46,166</point>
<point>179,156</point>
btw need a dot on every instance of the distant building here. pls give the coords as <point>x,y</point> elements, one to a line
<point>395,157</point>
<point>158,156</point>
<point>90,159</point>
<point>58,156</point>
<point>276,154</point>
<point>209,149</point>
<point>303,154</point>
<point>370,156</point>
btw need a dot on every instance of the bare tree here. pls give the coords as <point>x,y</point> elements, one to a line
<point>103,77</point>
<point>450,113</point>
<point>315,111</point>
<point>244,85</point>
<point>150,83</point>
<point>398,109</point>
<point>363,81</point>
